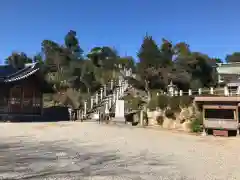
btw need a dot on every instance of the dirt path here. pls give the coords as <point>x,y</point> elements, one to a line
<point>82,150</point>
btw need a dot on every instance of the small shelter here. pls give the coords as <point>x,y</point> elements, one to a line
<point>220,113</point>
<point>21,91</point>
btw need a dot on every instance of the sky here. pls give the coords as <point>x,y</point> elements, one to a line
<point>208,26</point>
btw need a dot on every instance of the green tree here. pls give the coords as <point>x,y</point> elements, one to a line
<point>72,44</point>
<point>18,60</point>
<point>149,67</point>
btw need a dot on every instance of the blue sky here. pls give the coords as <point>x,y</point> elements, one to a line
<point>209,26</point>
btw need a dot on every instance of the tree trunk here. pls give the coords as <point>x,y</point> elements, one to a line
<point>149,97</point>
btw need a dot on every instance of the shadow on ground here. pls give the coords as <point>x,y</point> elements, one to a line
<point>56,160</point>
<point>50,114</point>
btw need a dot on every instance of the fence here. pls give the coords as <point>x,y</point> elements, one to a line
<point>105,97</point>
<point>204,91</point>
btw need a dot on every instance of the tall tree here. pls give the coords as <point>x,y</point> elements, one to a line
<point>18,60</point>
<point>149,67</point>
<point>167,53</point>
<point>72,43</point>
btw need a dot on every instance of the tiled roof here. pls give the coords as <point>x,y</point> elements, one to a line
<point>7,70</point>
<point>10,74</point>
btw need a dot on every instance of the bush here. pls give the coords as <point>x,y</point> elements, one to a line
<point>170,114</point>
<point>186,101</point>
<point>133,102</point>
<point>152,105</point>
<point>128,97</point>
<point>162,101</point>
<point>174,103</point>
<point>136,103</point>
<point>196,124</point>
<point>160,120</point>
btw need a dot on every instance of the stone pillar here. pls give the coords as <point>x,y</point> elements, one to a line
<point>96,98</point>
<point>200,91</point>
<point>126,84</point>
<point>176,93</point>
<point>114,97</point>
<point>91,103</point>
<point>226,92</point>
<point>106,108</point>
<point>238,90</point>
<point>101,94</point>
<point>119,91</point>
<point>85,109</point>
<point>70,113</point>
<point>211,90</point>
<point>123,88</point>
<point>117,94</point>
<point>111,84</point>
<point>141,118</point>
<point>180,93</point>
<point>105,90</point>
<point>119,82</point>
<point>110,101</point>
<point>189,92</point>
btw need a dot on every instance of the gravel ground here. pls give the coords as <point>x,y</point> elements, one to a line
<point>74,150</point>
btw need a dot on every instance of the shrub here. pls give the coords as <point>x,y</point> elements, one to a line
<point>128,97</point>
<point>174,103</point>
<point>186,101</point>
<point>133,102</point>
<point>152,105</point>
<point>196,124</point>
<point>160,120</point>
<point>170,114</point>
<point>162,101</point>
<point>136,103</point>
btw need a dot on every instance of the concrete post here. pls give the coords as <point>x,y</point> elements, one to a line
<point>105,90</point>
<point>238,90</point>
<point>91,103</point>
<point>226,92</point>
<point>110,101</point>
<point>117,94</point>
<point>176,93</point>
<point>85,109</point>
<point>189,92</point>
<point>106,108</point>
<point>180,93</point>
<point>200,91</point>
<point>114,97</point>
<point>111,84</point>
<point>101,94</point>
<point>96,98</point>
<point>141,118</point>
<point>211,90</point>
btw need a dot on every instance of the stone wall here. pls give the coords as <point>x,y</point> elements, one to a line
<point>182,121</point>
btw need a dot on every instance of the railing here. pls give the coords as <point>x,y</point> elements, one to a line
<point>204,91</point>
<point>103,99</point>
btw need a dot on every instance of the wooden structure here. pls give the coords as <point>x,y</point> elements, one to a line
<point>22,90</point>
<point>220,113</point>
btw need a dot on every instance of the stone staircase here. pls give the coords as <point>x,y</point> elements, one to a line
<point>105,99</point>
